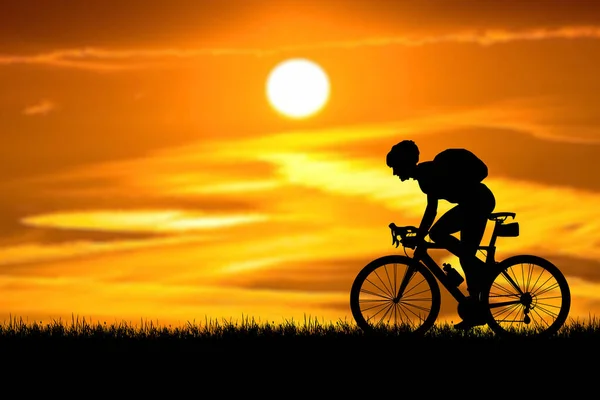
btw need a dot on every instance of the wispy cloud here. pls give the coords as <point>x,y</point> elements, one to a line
<point>104,60</point>
<point>40,252</point>
<point>161,221</point>
<point>42,108</point>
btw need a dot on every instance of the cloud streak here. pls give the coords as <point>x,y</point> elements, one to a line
<point>44,107</point>
<point>106,60</point>
<point>160,221</point>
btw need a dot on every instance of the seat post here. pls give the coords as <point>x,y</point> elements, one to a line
<point>494,235</point>
<point>491,252</point>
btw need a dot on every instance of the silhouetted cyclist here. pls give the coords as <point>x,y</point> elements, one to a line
<point>454,175</point>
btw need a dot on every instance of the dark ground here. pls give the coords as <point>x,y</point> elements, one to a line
<point>361,361</point>
<point>300,368</point>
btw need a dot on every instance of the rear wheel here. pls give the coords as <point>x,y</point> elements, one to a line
<point>528,296</point>
<point>395,293</point>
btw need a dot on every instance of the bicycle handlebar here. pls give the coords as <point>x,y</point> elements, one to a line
<point>408,235</point>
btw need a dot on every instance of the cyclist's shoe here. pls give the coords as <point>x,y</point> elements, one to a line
<point>473,313</point>
<point>467,324</point>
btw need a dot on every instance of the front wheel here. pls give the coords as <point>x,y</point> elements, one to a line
<point>395,293</point>
<point>528,297</point>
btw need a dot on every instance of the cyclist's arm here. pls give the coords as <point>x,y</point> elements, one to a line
<point>428,216</point>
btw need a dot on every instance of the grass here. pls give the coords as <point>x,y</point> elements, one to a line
<point>247,328</point>
<point>308,348</point>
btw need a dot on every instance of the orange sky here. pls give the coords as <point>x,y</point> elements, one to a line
<point>146,176</point>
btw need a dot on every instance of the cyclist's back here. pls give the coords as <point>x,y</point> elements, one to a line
<point>434,180</point>
<point>454,175</point>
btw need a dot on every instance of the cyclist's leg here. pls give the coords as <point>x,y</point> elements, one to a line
<point>471,223</point>
<point>475,215</point>
<point>441,233</point>
<point>442,230</point>
<point>470,236</point>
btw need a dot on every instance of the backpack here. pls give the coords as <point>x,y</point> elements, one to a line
<point>461,166</point>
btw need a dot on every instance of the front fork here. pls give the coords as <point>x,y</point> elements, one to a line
<point>410,272</point>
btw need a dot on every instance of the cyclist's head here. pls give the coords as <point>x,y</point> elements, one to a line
<point>402,158</point>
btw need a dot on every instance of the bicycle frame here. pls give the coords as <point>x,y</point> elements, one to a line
<point>440,275</point>
<point>438,272</point>
<point>520,294</point>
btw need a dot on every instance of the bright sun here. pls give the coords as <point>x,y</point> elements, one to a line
<point>298,88</point>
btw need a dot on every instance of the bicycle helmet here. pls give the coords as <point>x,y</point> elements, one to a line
<point>403,153</point>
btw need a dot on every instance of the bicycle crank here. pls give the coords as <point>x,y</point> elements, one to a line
<point>470,309</point>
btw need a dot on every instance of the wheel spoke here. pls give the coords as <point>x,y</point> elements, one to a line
<point>408,306</point>
<point>546,309</point>
<point>541,318</point>
<point>391,286</point>
<point>410,292</point>
<point>387,293</point>
<point>387,289</point>
<point>381,308</point>
<point>507,293</point>
<point>530,295</point>
<point>506,312</point>
<point>375,301</point>
<point>381,297</point>
<point>541,291</point>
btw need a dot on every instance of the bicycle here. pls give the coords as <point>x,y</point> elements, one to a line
<point>523,295</point>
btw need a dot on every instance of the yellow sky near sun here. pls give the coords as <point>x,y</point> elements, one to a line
<point>146,175</point>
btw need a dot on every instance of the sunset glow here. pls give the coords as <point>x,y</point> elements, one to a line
<point>221,159</point>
